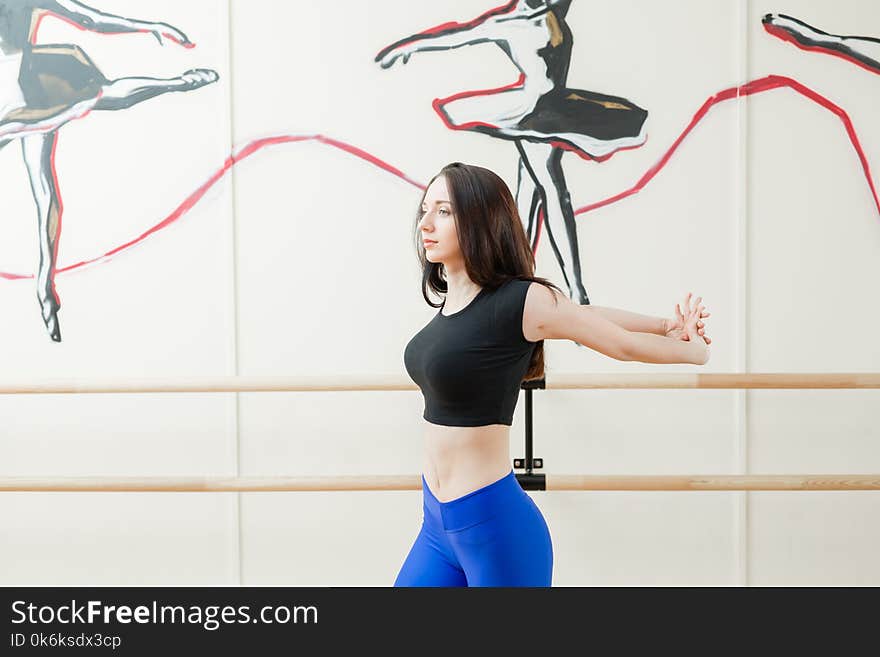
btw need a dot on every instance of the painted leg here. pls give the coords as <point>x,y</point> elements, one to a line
<point>126,92</point>
<point>528,201</point>
<point>38,151</point>
<point>544,161</point>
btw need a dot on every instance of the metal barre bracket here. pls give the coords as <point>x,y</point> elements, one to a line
<point>530,480</point>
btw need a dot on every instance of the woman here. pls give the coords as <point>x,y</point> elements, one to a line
<point>480,528</point>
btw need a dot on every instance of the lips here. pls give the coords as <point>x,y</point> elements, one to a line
<point>428,242</point>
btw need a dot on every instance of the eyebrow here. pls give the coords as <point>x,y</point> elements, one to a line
<point>440,201</point>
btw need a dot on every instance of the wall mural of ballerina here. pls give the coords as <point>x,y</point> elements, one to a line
<point>541,115</point>
<point>42,87</point>
<point>863,51</point>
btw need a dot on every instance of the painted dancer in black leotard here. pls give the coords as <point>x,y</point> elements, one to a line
<point>539,113</point>
<point>42,87</point>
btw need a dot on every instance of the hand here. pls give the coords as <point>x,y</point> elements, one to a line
<point>687,324</point>
<point>160,30</point>
<point>387,59</point>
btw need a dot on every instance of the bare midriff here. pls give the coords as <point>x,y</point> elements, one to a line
<point>459,460</point>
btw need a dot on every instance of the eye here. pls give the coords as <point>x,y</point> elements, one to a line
<point>422,211</point>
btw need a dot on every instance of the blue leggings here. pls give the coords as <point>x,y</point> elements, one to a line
<point>493,536</point>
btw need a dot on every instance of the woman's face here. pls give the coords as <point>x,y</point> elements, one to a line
<point>438,224</point>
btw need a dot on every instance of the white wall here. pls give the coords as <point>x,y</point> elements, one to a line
<point>300,261</point>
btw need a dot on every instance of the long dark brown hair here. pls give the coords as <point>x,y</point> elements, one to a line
<point>493,242</point>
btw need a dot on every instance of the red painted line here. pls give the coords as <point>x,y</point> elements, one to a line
<point>190,201</point>
<point>753,87</point>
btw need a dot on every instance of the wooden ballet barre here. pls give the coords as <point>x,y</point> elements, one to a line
<point>714,482</point>
<point>399,382</point>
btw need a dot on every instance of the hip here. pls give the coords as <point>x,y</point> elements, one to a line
<point>503,499</point>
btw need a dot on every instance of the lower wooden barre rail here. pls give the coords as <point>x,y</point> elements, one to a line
<point>398,382</point>
<point>717,482</point>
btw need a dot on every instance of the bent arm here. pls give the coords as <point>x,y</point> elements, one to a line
<point>633,321</point>
<point>94,20</point>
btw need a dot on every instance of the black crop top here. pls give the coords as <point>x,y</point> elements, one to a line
<point>469,365</point>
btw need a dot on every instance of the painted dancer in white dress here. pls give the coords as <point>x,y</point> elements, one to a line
<point>42,87</point>
<point>539,113</point>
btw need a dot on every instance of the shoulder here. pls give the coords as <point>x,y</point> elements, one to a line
<point>545,312</point>
<point>533,311</point>
<point>508,306</point>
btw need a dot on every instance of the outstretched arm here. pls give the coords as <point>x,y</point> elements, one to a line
<point>633,321</point>
<point>97,21</point>
<point>562,319</point>
<point>498,24</point>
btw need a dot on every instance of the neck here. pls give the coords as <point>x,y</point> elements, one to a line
<point>460,286</point>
